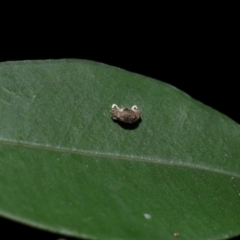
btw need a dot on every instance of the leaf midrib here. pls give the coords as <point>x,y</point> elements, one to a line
<point>119,157</point>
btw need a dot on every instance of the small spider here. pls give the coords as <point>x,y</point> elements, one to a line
<point>125,115</point>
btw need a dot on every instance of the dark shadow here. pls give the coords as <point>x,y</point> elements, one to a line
<point>128,126</point>
<point>235,238</point>
<point>28,232</point>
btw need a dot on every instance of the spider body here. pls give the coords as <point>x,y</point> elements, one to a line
<point>125,115</point>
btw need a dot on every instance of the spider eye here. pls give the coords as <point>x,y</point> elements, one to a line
<point>134,107</point>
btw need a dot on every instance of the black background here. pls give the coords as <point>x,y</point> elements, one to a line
<point>199,64</point>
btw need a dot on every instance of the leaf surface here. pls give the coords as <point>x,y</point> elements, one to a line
<point>65,166</point>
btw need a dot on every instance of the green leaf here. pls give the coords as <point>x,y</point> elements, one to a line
<point>65,166</point>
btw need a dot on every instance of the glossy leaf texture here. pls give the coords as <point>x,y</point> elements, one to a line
<point>65,166</point>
